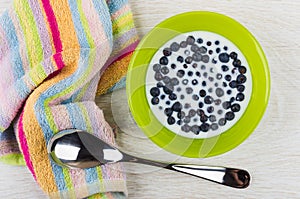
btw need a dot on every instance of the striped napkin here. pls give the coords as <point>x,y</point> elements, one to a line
<point>55,55</point>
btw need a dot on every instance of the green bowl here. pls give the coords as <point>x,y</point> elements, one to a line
<point>156,38</point>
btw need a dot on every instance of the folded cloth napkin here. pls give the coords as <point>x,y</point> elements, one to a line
<point>52,56</point>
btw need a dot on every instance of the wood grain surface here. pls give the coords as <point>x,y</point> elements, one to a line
<point>271,153</point>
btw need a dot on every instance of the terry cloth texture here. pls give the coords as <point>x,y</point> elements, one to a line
<point>52,56</point>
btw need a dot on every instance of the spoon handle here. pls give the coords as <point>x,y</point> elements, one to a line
<point>236,178</point>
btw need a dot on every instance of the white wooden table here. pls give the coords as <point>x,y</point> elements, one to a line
<point>271,153</point>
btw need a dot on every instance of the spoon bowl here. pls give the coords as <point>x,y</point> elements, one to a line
<point>79,149</point>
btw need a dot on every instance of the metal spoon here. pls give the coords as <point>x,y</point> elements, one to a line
<point>79,149</point>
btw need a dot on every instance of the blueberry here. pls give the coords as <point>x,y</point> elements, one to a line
<point>222,122</point>
<point>165,70</point>
<point>226,105</point>
<point>237,63</point>
<point>159,85</point>
<point>220,112</point>
<point>190,40</point>
<point>210,109</point>
<point>229,92</point>
<point>185,82</point>
<point>241,88</point>
<point>156,67</point>
<point>225,48</point>
<point>219,92</point>
<point>211,79</point>
<point>155,101</point>
<point>216,84</point>
<point>224,57</point>
<point>189,90</point>
<point>200,104</point>
<point>182,97</point>
<point>180,73</point>
<point>195,97</point>
<point>171,120</point>
<point>212,118</point>
<point>199,41</point>
<point>195,65</point>
<point>229,116</point>
<point>217,42</point>
<point>240,97</point>
<point>200,112</point>
<point>192,113</point>
<point>168,103</point>
<point>225,84</point>
<point>241,79</point>
<point>196,129</point>
<point>172,96</point>
<point>178,89</point>
<point>174,81</point>
<point>208,100</point>
<point>185,66</point>
<point>186,128</point>
<point>233,55</point>
<point>218,50</point>
<point>202,50</point>
<point>194,48</point>
<point>195,82</point>
<point>183,44</point>
<point>205,58</point>
<point>210,52</point>
<point>202,93</point>
<point>189,60</point>
<point>197,57</point>
<point>155,91</point>
<point>205,74</point>
<point>167,90</point>
<point>208,43</point>
<point>210,90</point>
<point>228,78</point>
<point>187,120</point>
<point>167,52</point>
<point>190,73</point>
<point>235,107</point>
<point>179,122</point>
<point>166,80</point>
<point>232,99</point>
<point>175,47</point>
<point>158,76</point>
<point>162,97</point>
<point>198,74</point>
<point>173,66</point>
<point>203,118</point>
<point>180,59</point>
<point>168,112</point>
<point>164,61</point>
<point>219,76</point>
<point>177,107</point>
<point>233,84</point>
<point>214,126</point>
<point>242,69</point>
<point>225,68</point>
<point>180,115</point>
<point>204,127</point>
